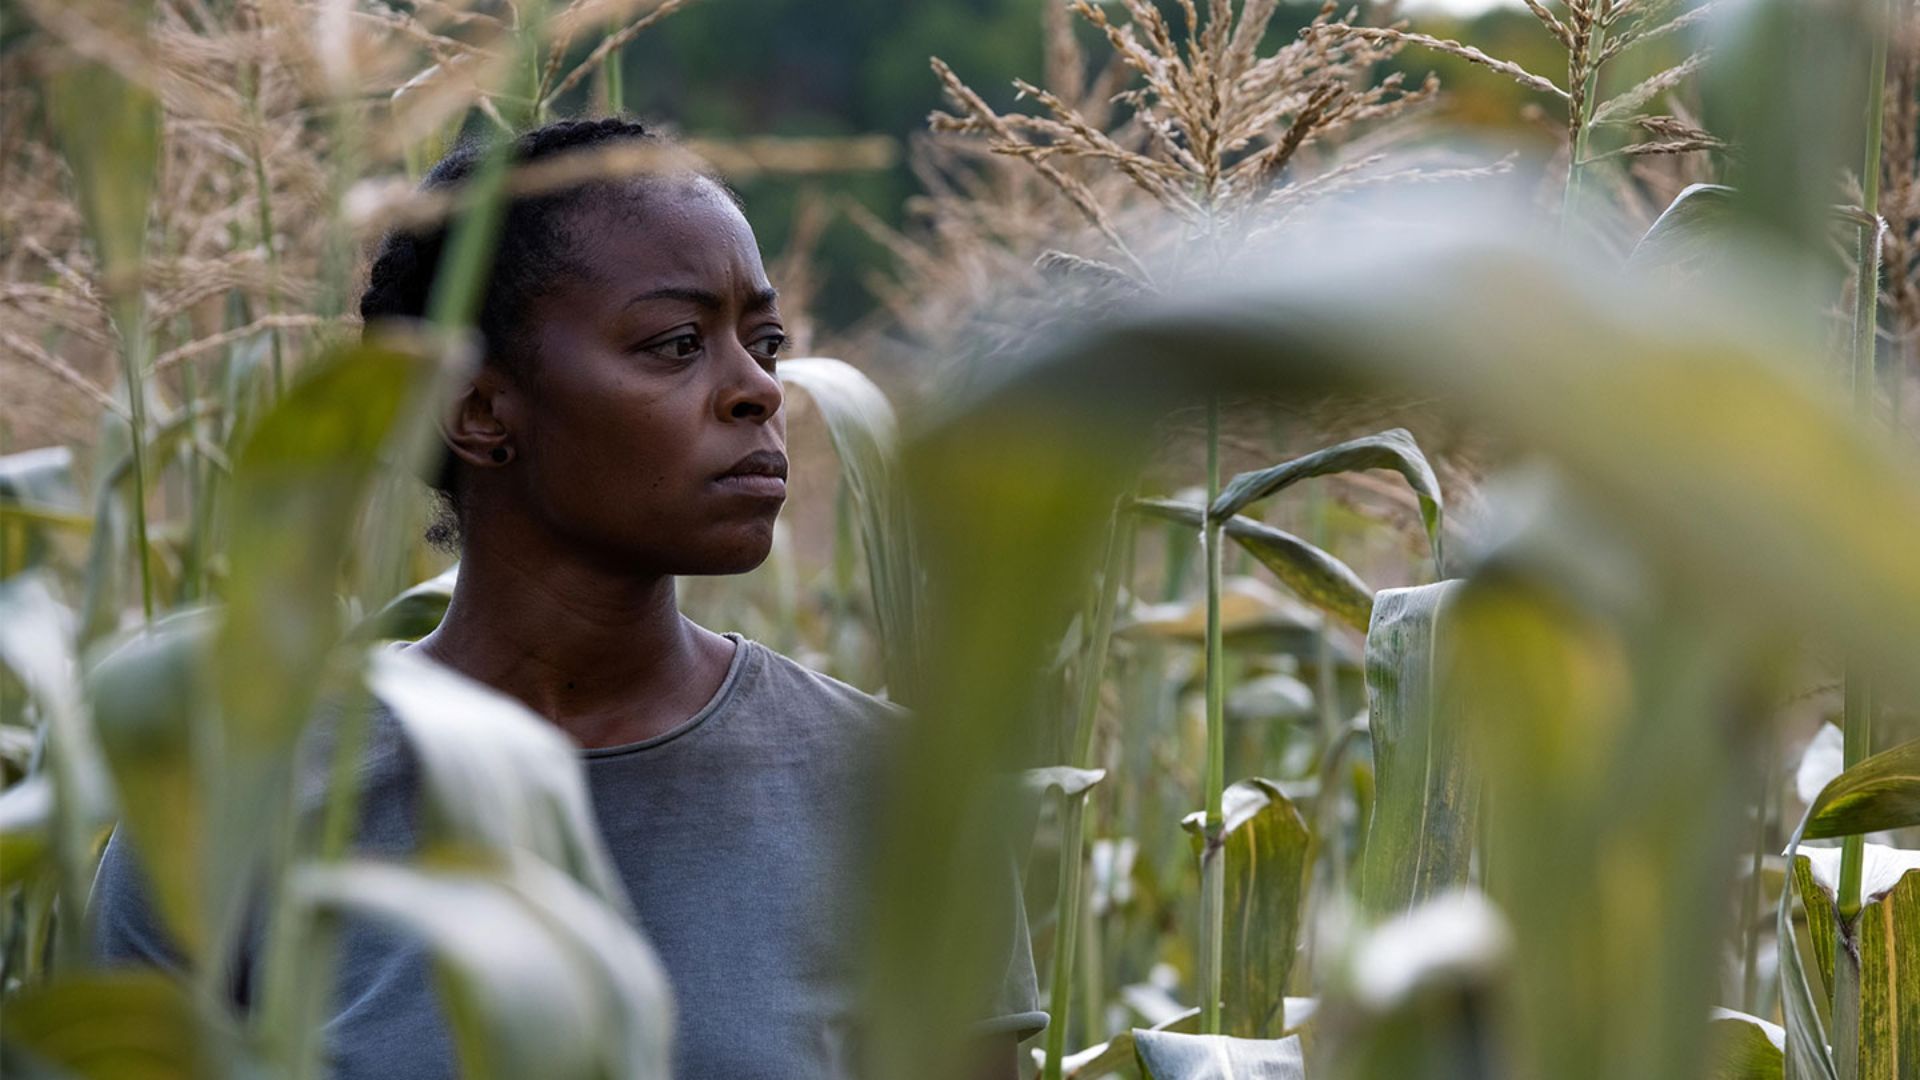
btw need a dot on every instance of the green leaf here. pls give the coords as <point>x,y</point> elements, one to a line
<point>36,496</point>
<point>26,826</point>
<point>414,613</point>
<point>495,776</point>
<point>1067,779</point>
<point>148,694</point>
<point>1167,1055</point>
<point>537,976</point>
<point>1744,1047</point>
<point>865,435</point>
<point>119,1025</point>
<point>1393,449</point>
<point>1883,949</point>
<point>1881,792</point>
<point>1267,873</point>
<point>1313,574</point>
<point>109,130</point>
<point>1695,227</point>
<point>36,645</point>
<point>1426,797</point>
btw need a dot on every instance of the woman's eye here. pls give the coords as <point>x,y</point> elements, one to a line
<point>770,345</point>
<point>678,348</point>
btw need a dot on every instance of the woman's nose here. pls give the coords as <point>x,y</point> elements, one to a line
<point>752,394</point>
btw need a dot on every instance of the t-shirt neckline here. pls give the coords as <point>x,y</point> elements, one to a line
<point>735,669</point>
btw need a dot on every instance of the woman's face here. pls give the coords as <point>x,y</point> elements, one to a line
<point>652,434</point>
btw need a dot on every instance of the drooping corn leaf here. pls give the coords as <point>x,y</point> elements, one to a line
<point>1394,449</point>
<point>1694,227</point>
<point>1426,798</point>
<point>538,976</point>
<point>1743,1047</point>
<point>1167,1055</point>
<point>494,775</point>
<point>1267,844</point>
<point>1313,574</point>
<point>1881,792</point>
<point>865,435</point>
<point>118,1025</point>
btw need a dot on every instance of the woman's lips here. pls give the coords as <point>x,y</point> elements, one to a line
<point>754,485</point>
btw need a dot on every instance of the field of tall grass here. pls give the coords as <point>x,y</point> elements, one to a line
<point>1421,608</point>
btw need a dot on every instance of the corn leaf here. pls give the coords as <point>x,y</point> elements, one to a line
<point>1883,949</point>
<point>1693,228</point>
<point>26,828</point>
<point>109,131</point>
<point>1424,808</point>
<point>36,496</point>
<point>36,645</point>
<point>1066,779</point>
<point>1267,873</point>
<point>147,694</point>
<point>118,1025</point>
<point>1167,1055</point>
<point>414,613</point>
<point>865,435</point>
<point>1743,1047</point>
<point>1882,792</point>
<point>1394,449</point>
<point>494,775</point>
<point>1310,572</point>
<point>539,978</point>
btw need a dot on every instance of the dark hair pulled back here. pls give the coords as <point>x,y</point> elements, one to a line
<point>532,250</point>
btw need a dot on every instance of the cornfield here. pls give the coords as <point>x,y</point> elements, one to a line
<point>1417,606</point>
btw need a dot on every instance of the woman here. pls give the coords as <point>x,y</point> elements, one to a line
<point>625,427</point>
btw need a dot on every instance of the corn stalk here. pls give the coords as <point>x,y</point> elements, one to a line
<point>1213,879</point>
<point>1857,707</point>
<point>1073,805</point>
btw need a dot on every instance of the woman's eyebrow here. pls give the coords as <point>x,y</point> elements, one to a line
<point>706,298</point>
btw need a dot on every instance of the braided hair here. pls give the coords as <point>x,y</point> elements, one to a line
<point>532,250</point>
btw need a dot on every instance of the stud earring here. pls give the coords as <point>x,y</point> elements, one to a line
<point>500,455</point>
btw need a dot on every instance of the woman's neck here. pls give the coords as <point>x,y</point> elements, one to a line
<point>606,657</point>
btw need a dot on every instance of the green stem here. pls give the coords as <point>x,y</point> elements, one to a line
<point>133,355</point>
<point>1066,928</point>
<point>1751,899</point>
<point>263,198</point>
<point>615,78</point>
<point>1212,875</point>
<point>1582,124</point>
<point>1073,827</point>
<point>1858,696</point>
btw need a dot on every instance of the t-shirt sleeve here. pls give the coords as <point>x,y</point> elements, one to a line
<point>127,930</point>
<point>1015,1009</point>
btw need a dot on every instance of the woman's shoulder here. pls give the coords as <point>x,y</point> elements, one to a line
<point>797,689</point>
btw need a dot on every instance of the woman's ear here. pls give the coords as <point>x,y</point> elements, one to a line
<point>478,428</point>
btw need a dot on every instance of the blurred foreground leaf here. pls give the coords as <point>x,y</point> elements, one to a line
<point>538,977</point>
<point>119,1025</point>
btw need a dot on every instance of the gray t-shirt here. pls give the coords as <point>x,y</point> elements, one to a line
<point>738,835</point>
